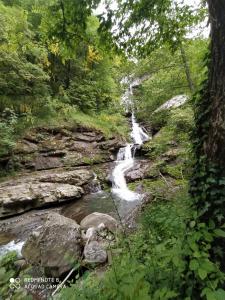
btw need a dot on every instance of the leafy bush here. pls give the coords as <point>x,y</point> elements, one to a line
<point>8,123</point>
<point>9,270</point>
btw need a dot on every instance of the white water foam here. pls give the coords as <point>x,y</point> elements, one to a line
<point>11,246</point>
<point>125,158</point>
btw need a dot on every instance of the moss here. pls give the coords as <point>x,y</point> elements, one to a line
<point>174,171</point>
<point>159,144</point>
<point>93,160</point>
<point>133,185</point>
<point>174,135</point>
<point>156,168</point>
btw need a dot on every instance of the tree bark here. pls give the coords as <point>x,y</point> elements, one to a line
<point>214,146</point>
<point>187,69</point>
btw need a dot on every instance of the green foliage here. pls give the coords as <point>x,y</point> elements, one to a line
<point>8,122</point>
<point>166,76</point>
<point>154,259</point>
<point>55,69</point>
<point>175,133</point>
<point>151,24</point>
<point>8,270</point>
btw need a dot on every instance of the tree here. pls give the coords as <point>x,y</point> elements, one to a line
<point>208,183</point>
<point>147,25</point>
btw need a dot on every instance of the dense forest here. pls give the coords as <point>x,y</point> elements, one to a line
<point>112,181</point>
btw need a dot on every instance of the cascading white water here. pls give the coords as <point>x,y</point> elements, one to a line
<point>11,246</point>
<point>138,135</point>
<point>125,159</point>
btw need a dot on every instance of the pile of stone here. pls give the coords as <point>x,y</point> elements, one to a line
<point>61,243</point>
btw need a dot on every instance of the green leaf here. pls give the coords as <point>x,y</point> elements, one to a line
<point>219,233</point>
<point>194,265</point>
<point>220,294</point>
<point>202,273</point>
<point>215,295</point>
<point>208,266</point>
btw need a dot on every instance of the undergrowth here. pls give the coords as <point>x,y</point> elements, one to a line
<point>151,267</point>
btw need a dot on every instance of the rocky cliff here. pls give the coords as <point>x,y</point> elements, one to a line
<point>54,165</point>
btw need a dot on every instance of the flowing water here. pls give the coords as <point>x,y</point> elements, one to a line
<point>126,155</point>
<point>121,201</point>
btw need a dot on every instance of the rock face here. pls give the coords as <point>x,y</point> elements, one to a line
<point>94,253</point>
<point>41,189</point>
<point>56,246</point>
<point>95,219</point>
<point>48,148</point>
<point>57,164</point>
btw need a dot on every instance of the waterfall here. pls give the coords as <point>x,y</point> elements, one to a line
<point>125,156</point>
<point>138,135</point>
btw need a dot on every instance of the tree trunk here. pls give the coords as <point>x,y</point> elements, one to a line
<point>215,143</point>
<point>187,69</point>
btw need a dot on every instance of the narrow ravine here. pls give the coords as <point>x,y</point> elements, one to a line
<point>126,155</point>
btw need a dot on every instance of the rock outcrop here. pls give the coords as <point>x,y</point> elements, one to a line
<point>42,189</point>
<point>48,148</point>
<point>55,246</point>
<point>139,171</point>
<point>54,165</point>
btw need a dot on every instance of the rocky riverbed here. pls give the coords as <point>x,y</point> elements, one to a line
<point>48,178</point>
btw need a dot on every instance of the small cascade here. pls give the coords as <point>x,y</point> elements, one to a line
<point>124,162</point>
<point>138,135</point>
<point>95,186</point>
<point>11,246</point>
<point>125,156</point>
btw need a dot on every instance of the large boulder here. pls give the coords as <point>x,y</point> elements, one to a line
<point>95,219</point>
<point>55,246</point>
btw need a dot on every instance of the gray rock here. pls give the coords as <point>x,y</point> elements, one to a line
<point>94,253</point>
<point>139,171</point>
<point>57,246</point>
<point>21,264</point>
<point>22,197</point>
<point>95,219</point>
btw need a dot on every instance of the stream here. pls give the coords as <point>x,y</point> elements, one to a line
<point>118,202</point>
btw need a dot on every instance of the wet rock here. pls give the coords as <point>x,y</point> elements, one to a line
<point>112,145</point>
<point>94,253</point>
<point>95,219</point>
<point>56,247</point>
<point>134,175</point>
